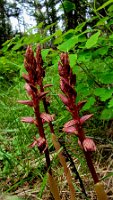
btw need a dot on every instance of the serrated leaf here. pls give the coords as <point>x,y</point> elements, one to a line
<point>103,93</point>
<point>69,44</point>
<point>92,40</point>
<point>110,103</point>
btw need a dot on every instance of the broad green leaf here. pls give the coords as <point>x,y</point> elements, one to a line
<point>104,5</point>
<point>102,51</point>
<point>68,6</point>
<point>92,40</point>
<point>69,34</point>
<point>69,44</point>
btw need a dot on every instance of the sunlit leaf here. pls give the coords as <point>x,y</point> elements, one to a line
<point>92,41</point>
<point>69,44</point>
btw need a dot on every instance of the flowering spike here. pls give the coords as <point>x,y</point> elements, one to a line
<point>68,89</point>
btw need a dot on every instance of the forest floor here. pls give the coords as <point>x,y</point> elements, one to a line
<point>104,168</point>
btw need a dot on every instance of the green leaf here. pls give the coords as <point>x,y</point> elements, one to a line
<point>73,59</point>
<point>110,9</point>
<point>110,103</point>
<point>89,103</point>
<point>103,93</point>
<point>102,51</point>
<point>44,53</point>
<point>102,21</point>
<point>92,40</point>
<point>104,5</point>
<point>80,26</point>
<point>69,44</point>
<point>106,78</point>
<point>43,185</point>
<point>106,114</point>
<point>69,6</point>
<point>58,33</point>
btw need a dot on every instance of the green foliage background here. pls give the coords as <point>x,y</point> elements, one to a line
<point>91,58</point>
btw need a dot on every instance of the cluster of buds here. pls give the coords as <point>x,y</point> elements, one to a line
<point>75,126</point>
<point>35,89</point>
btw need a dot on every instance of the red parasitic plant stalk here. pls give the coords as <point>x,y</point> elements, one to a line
<point>75,126</point>
<point>54,138</point>
<point>35,90</point>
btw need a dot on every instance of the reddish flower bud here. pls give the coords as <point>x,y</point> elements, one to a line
<point>47,117</point>
<point>26,102</point>
<point>85,118</point>
<point>28,89</point>
<point>30,120</point>
<point>87,144</point>
<point>41,143</point>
